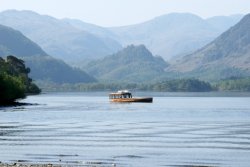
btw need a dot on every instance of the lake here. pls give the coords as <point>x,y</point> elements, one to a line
<point>85,129</point>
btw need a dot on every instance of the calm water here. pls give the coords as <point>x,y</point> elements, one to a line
<point>85,129</point>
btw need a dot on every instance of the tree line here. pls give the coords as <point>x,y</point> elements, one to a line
<point>176,85</point>
<point>234,84</point>
<point>181,85</point>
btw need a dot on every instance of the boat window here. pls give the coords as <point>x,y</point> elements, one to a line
<point>120,96</point>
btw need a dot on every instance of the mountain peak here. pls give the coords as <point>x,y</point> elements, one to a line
<point>136,48</point>
<point>59,38</point>
<point>131,64</point>
<point>179,16</point>
<point>178,19</point>
<point>135,52</point>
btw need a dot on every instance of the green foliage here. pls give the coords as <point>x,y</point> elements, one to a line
<point>50,86</point>
<point>234,84</point>
<point>182,85</point>
<point>11,88</point>
<point>177,85</point>
<point>212,74</point>
<point>16,68</point>
<point>14,80</point>
<point>33,89</point>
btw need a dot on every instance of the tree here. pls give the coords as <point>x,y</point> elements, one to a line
<point>11,88</point>
<point>14,80</point>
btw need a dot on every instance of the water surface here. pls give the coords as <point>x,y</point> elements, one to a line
<point>85,129</point>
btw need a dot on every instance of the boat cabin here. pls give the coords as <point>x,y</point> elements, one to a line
<point>120,95</point>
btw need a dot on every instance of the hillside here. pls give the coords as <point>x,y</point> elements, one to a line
<point>43,66</point>
<point>74,41</point>
<point>226,56</point>
<point>223,23</point>
<point>91,28</point>
<point>13,42</point>
<point>59,38</point>
<point>132,64</point>
<point>174,35</point>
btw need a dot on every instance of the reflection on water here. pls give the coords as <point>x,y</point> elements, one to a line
<point>86,130</point>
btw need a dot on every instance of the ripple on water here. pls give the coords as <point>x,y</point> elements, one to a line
<point>91,133</point>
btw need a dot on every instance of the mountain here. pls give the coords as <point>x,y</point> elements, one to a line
<point>43,66</point>
<point>132,64</point>
<point>170,36</point>
<point>74,41</point>
<point>227,56</point>
<point>13,42</point>
<point>175,34</point>
<point>91,28</point>
<point>222,23</point>
<point>59,38</point>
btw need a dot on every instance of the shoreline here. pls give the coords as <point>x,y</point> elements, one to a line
<point>69,165</point>
<point>16,104</point>
<point>30,165</point>
<point>33,164</point>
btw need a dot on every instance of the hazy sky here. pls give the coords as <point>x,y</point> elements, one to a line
<point>125,12</point>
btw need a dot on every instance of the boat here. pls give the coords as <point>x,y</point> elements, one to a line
<point>126,96</point>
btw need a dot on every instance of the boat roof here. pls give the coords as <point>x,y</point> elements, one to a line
<point>121,92</point>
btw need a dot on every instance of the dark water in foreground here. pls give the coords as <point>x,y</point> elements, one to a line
<point>85,129</point>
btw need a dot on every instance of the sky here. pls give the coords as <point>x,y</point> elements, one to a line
<point>110,13</point>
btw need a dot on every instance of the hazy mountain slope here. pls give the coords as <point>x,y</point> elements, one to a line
<point>222,23</point>
<point>173,34</point>
<point>13,42</point>
<point>132,64</point>
<point>50,69</point>
<point>43,66</point>
<point>94,29</point>
<point>59,38</point>
<point>227,56</point>
<point>72,40</point>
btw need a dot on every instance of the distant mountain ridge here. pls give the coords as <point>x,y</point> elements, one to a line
<point>59,38</point>
<point>226,56</point>
<point>175,34</point>
<point>74,41</point>
<point>91,28</point>
<point>171,36</point>
<point>131,64</point>
<point>43,66</point>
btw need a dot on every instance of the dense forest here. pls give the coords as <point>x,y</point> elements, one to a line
<point>177,85</point>
<point>14,80</point>
<point>181,85</point>
<point>234,84</point>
